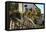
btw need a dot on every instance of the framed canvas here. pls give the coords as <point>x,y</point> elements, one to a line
<point>24,15</point>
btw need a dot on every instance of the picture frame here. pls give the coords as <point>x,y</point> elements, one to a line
<point>24,12</point>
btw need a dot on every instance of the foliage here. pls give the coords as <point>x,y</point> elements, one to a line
<point>12,7</point>
<point>38,11</point>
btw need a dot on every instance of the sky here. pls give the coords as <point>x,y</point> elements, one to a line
<point>41,7</point>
